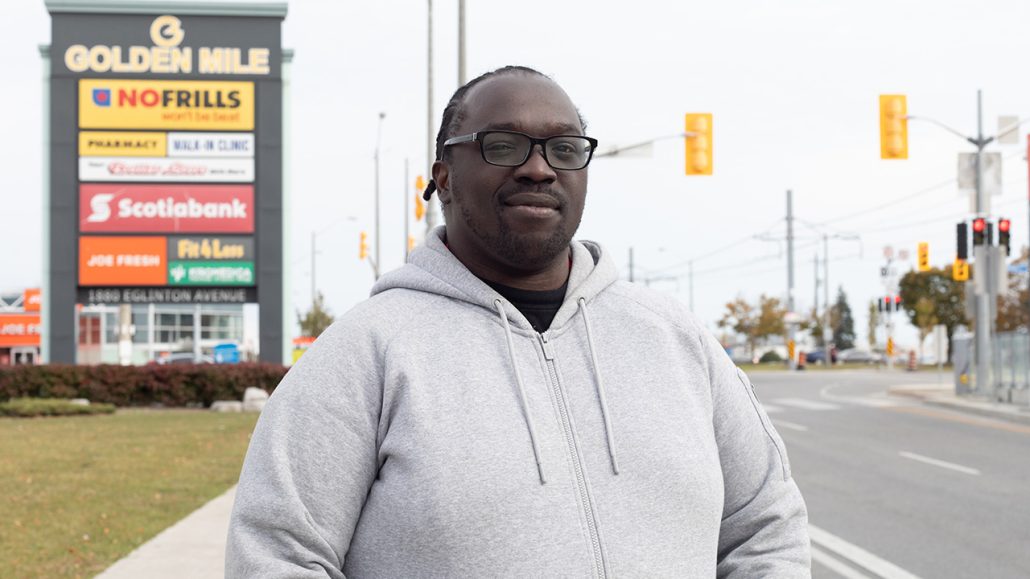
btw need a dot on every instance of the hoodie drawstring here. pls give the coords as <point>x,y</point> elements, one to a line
<point>609,433</point>
<point>522,390</point>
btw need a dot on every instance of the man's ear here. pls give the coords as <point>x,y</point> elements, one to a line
<point>442,178</point>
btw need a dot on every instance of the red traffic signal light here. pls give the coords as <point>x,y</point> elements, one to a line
<point>1004,234</point>
<point>979,229</point>
<point>897,303</point>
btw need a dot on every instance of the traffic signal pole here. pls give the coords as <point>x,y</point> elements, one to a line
<point>982,256</point>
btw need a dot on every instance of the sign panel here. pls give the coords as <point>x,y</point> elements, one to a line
<point>116,208</point>
<point>211,145</point>
<point>31,300</point>
<point>226,273</point>
<point>122,261</point>
<point>121,144</point>
<point>210,248</point>
<point>166,104</point>
<point>19,330</point>
<point>166,170</point>
<point>162,295</point>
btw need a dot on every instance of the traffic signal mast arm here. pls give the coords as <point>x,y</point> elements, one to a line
<point>615,150</point>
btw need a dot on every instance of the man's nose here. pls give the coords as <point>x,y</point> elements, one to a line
<point>535,169</point>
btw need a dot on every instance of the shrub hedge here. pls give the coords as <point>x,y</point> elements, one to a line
<point>168,385</point>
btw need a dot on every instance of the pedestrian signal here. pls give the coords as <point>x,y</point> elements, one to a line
<point>893,127</point>
<point>960,270</point>
<point>699,143</point>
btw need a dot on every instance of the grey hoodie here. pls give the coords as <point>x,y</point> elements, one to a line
<point>432,432</point>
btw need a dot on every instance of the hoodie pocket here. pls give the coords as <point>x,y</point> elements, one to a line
<point>766,423</point>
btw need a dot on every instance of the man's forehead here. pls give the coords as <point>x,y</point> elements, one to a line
<point>520,102</point>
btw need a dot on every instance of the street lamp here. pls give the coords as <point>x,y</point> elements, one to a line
<point>379,135</point>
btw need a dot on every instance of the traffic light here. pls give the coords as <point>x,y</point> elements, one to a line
<point>893,126</point>
<point>1004,238</point>
<point>363,246</point>
<point>979,231</point>
<point>962,241</point>
<point>411,243</point>
<point>699,143</point>
<point>924,257</point>
<point>420,205</point>
<point>897,303</point>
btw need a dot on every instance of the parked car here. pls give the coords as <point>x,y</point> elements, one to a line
<point>856,356</point>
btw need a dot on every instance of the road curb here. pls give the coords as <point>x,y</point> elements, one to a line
<point>935,397</point>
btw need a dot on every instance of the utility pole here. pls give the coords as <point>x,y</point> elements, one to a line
<point>407,211</point>
<point>462,78</point>
<point>631,263</point>
<point>314,293</point>
<point>430,137</point>
<point>790,270</point>
<point>982,257</point>
<point>827,330</point>
<point>379,134</point>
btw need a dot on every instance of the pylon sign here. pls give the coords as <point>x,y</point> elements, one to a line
<point>164,124</point>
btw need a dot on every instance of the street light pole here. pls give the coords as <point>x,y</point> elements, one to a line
<point>379,134</point>
<point>790,272</point>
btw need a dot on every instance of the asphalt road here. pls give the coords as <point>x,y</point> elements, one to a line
<point>898,489</point>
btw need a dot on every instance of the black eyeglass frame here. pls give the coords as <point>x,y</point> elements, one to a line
<point>533,142</point>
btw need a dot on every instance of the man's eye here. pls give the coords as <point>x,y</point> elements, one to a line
<point>500,147</point>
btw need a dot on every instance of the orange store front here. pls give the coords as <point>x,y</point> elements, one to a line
<point>19,328</point>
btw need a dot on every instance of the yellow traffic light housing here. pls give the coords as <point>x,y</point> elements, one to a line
<point>960,270</point>
<point>420,205</point>
<point>924,256</point>
<point>699,143</point>
<point>893,126</point>
<point>363,246</point>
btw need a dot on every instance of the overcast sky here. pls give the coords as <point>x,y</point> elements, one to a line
<point>792,86</point>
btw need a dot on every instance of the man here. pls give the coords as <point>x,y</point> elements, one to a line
<point>504,405</point>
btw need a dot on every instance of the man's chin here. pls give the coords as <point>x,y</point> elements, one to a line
<point>533,251</point>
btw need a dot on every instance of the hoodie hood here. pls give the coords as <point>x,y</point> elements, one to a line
<point>434,269</point>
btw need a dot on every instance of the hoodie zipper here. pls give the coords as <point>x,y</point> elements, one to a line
<point>563,412</point>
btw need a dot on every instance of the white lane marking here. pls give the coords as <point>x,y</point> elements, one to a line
<point>806,404</point>
<point>857,555</point>
<point>875,400</point>
<point>940,463</point>
<point>836,566</point>
<point>790,425</point>
<point>770,409</point>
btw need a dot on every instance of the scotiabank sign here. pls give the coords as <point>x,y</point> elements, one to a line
<point>19,330</point>
<point>116,208</point>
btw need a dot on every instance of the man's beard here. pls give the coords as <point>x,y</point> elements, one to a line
<point>525,252</point>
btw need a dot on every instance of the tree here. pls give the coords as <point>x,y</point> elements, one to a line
<point>317,319</point>
<point>755,323</point>
<point>815,327</point>
<point>874,322</point>
<point>935,287</point>
<point>842,322</point>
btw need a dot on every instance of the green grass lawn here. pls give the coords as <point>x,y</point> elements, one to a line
<point>79,493</point>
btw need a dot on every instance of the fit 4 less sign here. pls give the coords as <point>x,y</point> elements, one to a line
<point>165,159</point>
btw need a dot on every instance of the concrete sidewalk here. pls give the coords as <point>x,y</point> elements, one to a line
<point>194,547</point>
<point>944,396</point>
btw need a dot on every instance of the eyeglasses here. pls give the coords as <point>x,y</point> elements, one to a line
<point>512,149</point>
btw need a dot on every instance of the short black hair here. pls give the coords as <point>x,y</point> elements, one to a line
<point>454,112</point>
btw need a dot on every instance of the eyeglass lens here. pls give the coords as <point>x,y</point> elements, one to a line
<point>512,149</point>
